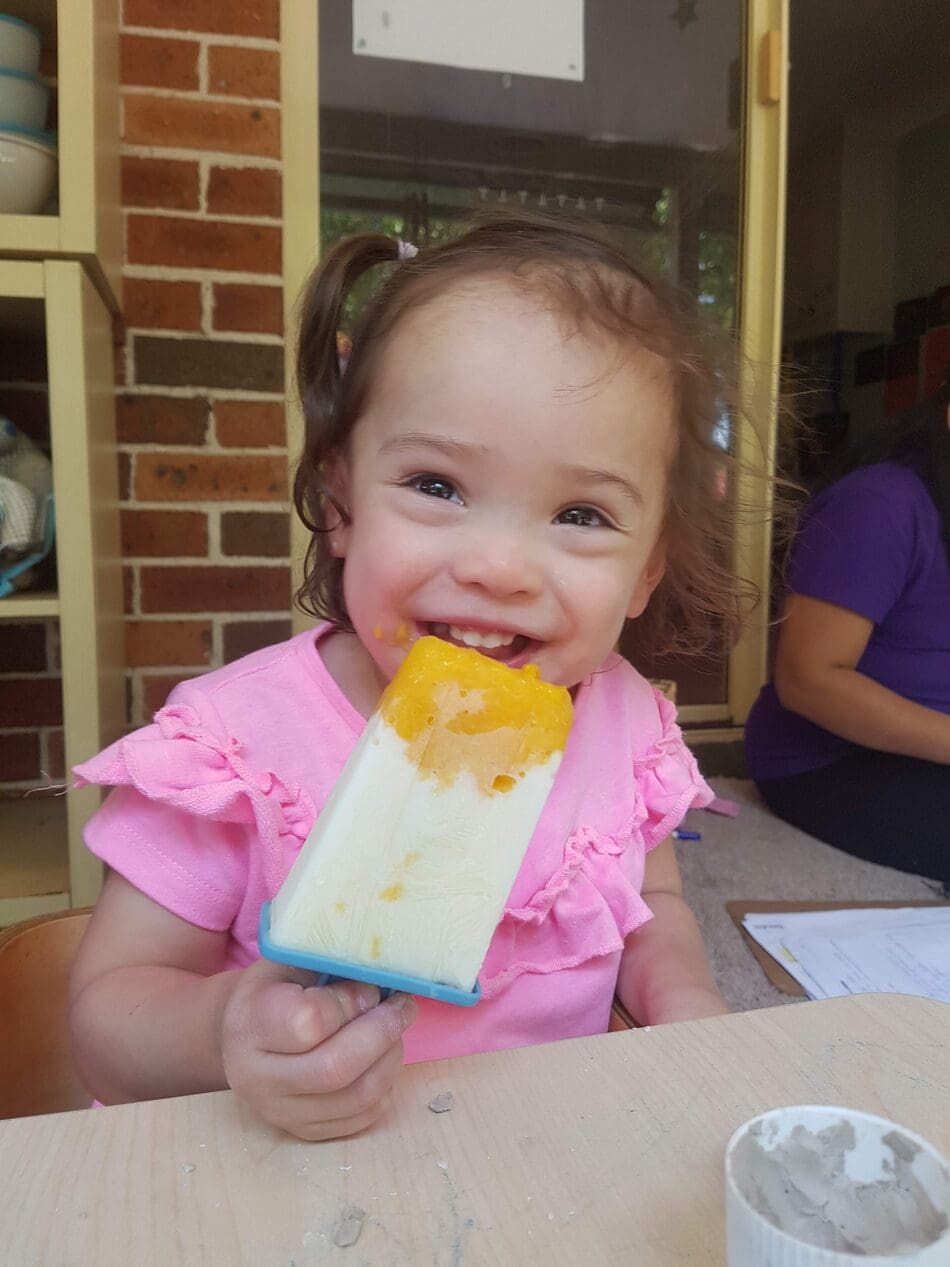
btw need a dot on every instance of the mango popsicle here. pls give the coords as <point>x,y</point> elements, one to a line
<point>409,865</point>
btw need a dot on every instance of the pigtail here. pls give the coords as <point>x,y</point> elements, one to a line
<point>318,362</point>
<point>319,375</point>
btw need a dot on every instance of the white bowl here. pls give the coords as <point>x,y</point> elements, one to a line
<point>19,44</point>
<point>24,100</point>
<point>820,1186</point>
<point>27,170</point>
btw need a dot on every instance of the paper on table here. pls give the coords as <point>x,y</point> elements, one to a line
<point>832,953</point>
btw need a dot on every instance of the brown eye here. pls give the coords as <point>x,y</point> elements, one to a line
<point>582,517</point>
<point>435,486</point>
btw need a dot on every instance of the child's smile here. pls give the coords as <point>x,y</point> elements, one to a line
<point>506,486</point>
<point>499,644</point>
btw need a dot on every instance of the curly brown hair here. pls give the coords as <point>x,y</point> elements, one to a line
<point>586,276</point>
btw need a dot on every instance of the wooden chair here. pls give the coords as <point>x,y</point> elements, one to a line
<point>36,1070</point>
<point>620,1018</point>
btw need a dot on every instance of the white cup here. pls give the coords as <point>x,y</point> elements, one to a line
<point>819,1186</point>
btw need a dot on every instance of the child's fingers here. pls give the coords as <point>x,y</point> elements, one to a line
<point>339,1062</point>
<point>306,1114</point>
<point>291,1020</point>
<point>339,1128</point>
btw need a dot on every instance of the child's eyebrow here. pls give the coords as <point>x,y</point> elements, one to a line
<point>418,439</point>
<point>593,476</point>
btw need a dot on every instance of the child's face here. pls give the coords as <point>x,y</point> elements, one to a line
<point>506,487</point>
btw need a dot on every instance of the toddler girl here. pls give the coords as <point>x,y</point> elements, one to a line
<point>518,451</point>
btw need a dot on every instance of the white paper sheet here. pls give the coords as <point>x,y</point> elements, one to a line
<point>832,953</point>
<point>520,37</point>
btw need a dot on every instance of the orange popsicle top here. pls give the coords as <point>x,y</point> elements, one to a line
<point>458,709</point>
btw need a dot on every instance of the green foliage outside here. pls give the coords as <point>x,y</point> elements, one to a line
<point>717,255</point>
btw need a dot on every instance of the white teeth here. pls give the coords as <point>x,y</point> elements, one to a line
<point>474,638</point>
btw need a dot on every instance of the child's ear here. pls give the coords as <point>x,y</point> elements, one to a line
<point>650,578</point>
<point>335,484</point>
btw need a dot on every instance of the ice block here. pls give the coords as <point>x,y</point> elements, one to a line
<point>408,867</point>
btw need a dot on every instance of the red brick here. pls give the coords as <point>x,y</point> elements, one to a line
<point>260,18</point>
<point>249,424</point>
<point>162,419</point>
<point>162,642</point>
<point>159,182</point>
<point>215,589</point>
<point>128,589</point>
<point>200,124</point>
<point>244,636</point>
<point>210,477</point>
<point>36,701</point>
<point>147,62</point>
<point>55,754</point>
<point>164,533</point>
<point>244,191</point>
<point>160,305</point>
<point>22,648</point>
<point>120,374</point>
<point>185,243</point>
<point>19,756</point>
<point>244,72</point>
<point>155,691</point>
<point>125,477</point>
<point>254,309</point>
<point>211,363</point>
<point>255,534</point>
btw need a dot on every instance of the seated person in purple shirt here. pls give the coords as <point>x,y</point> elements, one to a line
<point>850,741</point>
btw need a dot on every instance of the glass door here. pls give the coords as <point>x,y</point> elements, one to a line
<point>642,124</point>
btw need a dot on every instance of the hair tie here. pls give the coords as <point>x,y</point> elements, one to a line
<point>406,250</point>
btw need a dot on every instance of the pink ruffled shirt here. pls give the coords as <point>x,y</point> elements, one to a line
<point>213,801</point>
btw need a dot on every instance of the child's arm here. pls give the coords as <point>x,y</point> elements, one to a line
<point>664,973</point>
<point>152,1015</point>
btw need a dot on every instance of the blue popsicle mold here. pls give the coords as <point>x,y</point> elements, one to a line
<point>337,970</point>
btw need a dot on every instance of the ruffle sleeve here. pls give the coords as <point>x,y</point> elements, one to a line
<point>585,910</point>
<point>186,760</point>
<point>668,779</point>
<point>592,901</point>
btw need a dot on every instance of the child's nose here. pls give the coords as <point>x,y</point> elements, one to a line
<point>501,567</point>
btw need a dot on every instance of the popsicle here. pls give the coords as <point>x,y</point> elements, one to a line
<point>407,870</point>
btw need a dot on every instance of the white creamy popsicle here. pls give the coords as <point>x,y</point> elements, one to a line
<point>412,859</point>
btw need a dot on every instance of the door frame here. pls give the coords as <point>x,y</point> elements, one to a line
<point>762,217</point>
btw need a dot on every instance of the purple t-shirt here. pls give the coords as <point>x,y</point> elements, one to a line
<point>872,542</point>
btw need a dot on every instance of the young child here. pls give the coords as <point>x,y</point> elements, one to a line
<point>518,450</point>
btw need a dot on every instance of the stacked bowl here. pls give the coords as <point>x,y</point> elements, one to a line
<point>27,151</point>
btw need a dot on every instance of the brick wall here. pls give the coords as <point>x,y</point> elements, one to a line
<point>200,408</point>
<point>199,396</point>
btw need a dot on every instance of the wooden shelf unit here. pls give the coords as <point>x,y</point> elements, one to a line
<point>60,281</point>
<point>83,38</point>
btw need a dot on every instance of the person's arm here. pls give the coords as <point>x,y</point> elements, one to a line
<point>819,645</point>
<point>664,973</point>
<point>153,1015</point>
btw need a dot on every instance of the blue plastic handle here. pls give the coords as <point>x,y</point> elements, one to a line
<point>337,970</point>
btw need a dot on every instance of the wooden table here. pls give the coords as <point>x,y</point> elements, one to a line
<point>597,1151</point>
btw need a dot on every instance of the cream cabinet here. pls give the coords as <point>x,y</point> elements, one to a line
<point>81,41</point>
<point>59,283</point>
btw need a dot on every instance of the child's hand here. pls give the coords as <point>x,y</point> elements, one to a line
<point>317,1062</point>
